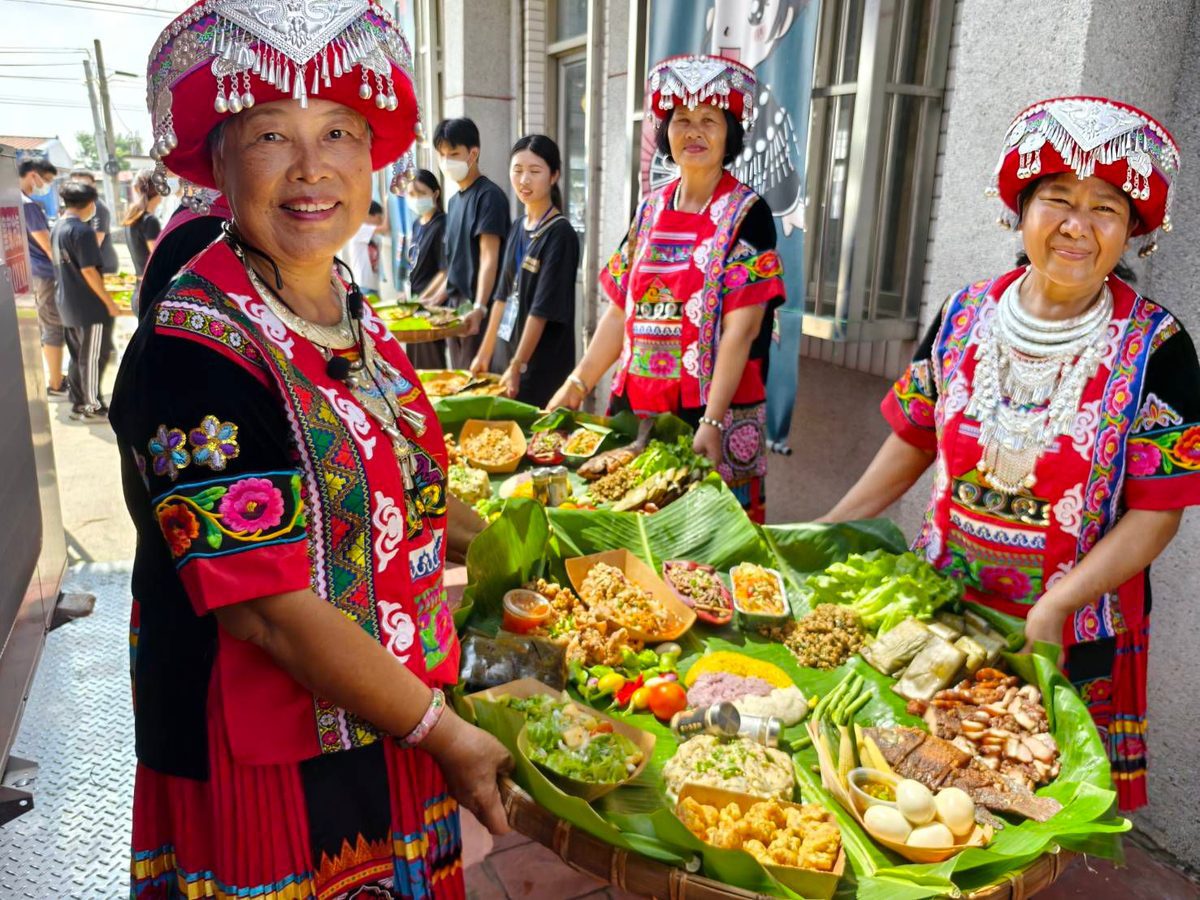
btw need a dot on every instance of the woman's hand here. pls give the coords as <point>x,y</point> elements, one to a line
<point>479,365</point>
<point>707,442</point>
<point>569,396</point>
<point>472,762</point>
<point>510,381</point>
<point>1045,623</point>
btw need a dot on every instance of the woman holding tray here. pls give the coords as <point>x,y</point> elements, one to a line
<point>1060,410</point>
<point>286,475</point>
<point>694,285</point>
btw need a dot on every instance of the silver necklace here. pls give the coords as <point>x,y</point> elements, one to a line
<point>1029,380</point>
<point>371,392</point>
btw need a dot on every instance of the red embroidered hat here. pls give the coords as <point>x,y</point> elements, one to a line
<point>1092,136</point>
<point>223,56</point>
<point>696,79</point>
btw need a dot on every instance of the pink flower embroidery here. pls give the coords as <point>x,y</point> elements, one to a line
<point>920,411</point>
<point>1132,349</point>
<point>961,323</point>
<point>1097,493</point>
<point>662,363</point>
<point>252,504</point>
<point>1144,458</point>
<point>1008,582</point>
<point>735,277</point>
<point>1118,397</point>
<point>1107,446</point>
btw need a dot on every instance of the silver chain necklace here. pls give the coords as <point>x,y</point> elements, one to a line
<point>1029,379</point>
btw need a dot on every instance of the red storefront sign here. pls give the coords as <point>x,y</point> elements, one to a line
<point>12,239</point>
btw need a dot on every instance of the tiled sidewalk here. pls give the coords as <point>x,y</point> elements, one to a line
<point>513,867</point>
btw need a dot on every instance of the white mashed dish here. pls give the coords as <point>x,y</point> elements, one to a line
<point>734,765</point>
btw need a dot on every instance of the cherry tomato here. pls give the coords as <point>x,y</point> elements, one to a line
<point>666,699</point>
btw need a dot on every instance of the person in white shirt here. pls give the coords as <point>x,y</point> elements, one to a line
<point>362,252</point>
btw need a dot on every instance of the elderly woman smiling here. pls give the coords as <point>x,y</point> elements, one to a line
<point>1061,412</point>
<point>286,475</point>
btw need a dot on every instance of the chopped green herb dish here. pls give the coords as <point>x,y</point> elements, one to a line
<point>573,742</point>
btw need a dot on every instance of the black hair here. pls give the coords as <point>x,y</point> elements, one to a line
<point>82,173</point>
<point>427,178</point>
<point>45,167</point>
<point>77,195</point>
<point>25,166</point>
<point>1121,270</point>
<point>456,133</point>
<point>735,137</point>
<point>374,209</point>
<point>544,147</point>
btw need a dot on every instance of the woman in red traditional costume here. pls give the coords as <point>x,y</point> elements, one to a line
<point>694,286</point>
<point>286,474</point>
<point>1061,412</point>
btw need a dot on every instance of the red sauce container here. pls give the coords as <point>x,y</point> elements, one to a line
<point>524,610</point>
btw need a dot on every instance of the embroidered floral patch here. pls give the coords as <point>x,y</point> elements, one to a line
<point>1162,453</point>
<point>1156,413</point>
<point>214,443</point>
<point>168,450</point>
<point>915,394</point>
<point>232,514</point>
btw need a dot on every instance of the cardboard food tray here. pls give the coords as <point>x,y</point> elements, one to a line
<point>829,778</point>
<point>645,578</point>
<point>512,429</point>
<point>748,618</point>
<point>524,688</point>
<point>811,883</point>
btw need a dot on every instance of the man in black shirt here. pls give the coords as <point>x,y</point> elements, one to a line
<point>476,223</point>
<point>101,222</point>
<point>86,308</point>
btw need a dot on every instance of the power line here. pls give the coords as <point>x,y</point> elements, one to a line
<point>102,6</point>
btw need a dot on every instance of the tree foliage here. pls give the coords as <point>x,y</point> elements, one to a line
<point>127,145</point>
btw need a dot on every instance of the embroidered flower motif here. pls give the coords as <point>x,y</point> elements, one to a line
<point>961,323</point>
<point>169,451</point>
<point>736,276</point>
<point>1108,444</point>
<point>662,363</point>
<point>398,629</point>
<point>1133,348</point>
<point>1118,397</point>
<point>1098,493</point>
<point>1144,458</point>
<point>1187,449</point>
<point>214,443</point>
<point>252,504</point>
<point>140,462</point>
<point>1006,581</point>
<point>920,412</point>
<point>179,527</point>
<point>1156,413</point>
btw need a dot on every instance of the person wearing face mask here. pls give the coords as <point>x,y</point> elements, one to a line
<point>426,258</point>
<point>531,332</point>
<point>362,252</point>
<point>476,221</point>
<point>37,180</point>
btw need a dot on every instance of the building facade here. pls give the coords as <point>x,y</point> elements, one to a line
<point>911,100</point>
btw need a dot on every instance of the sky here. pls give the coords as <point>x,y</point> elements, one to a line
<point>42,46</point>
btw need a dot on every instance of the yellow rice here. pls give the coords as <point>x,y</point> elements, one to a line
<point>737,664</point>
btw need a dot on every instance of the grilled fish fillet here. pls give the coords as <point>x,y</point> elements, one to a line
<point>939,764</point>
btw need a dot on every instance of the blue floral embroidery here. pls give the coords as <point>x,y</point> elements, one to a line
<point>168,449</point>
<point>214,443</point>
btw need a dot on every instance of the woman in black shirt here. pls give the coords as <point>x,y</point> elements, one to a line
<point>531,331</point>
<point>426,258</point>
<point>141,226</point>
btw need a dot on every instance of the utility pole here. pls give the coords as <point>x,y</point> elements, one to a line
<point>97,128</point>
<point>110,142</point>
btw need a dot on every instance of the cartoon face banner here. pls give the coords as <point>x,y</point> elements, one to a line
<point>777,39</point>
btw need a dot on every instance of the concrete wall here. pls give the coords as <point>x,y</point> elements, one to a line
<point>480,77</point>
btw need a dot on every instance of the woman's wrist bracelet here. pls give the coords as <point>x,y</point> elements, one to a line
<point>578,382</point>
<point>715,423</point>
<point>433,715</point>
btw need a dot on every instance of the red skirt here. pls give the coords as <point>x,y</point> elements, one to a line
<point>374,822</point>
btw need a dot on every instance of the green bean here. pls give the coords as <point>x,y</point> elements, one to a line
<point>854,707</point>
<point>848,696</point>
<point>831,697</point>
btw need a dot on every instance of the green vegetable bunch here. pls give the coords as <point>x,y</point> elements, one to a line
<point>884,588</point>
<point>660,456</point>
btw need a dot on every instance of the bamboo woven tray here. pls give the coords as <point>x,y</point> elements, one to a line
<point>639,875</point>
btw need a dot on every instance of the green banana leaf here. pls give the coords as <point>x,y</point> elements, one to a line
<point>453,411</point>
<point>707,525</point>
